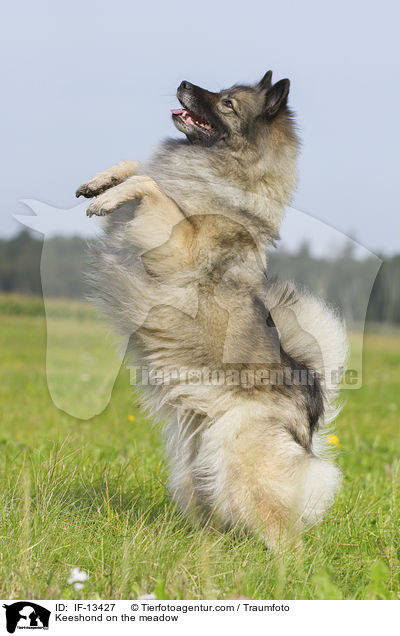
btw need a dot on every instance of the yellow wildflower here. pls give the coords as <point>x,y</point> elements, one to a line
<point>131,418</point>
<point>334,440</point>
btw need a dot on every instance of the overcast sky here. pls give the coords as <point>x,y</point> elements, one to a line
<point>86,84</point>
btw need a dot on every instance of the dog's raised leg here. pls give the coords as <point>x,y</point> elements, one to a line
<point>156,220</point>
<point>137,187</point>
<point>108,178</point>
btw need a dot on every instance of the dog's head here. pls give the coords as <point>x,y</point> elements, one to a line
<point>233,115</point>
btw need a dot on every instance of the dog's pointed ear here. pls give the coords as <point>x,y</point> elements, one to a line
<point>276,98</point>
<point>265,82</point>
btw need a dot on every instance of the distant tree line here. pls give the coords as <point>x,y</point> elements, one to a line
<point>65,259</point>
<point>349,283</point>
<point>344,280</point>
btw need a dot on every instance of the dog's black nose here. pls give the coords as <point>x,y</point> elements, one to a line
<point>185,86</point>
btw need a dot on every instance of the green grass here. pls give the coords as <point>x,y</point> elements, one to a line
<point>91,493</point>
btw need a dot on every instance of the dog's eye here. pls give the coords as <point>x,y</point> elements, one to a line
<point>227,103</point>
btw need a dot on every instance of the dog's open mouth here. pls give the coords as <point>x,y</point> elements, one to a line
<point>188,118</point>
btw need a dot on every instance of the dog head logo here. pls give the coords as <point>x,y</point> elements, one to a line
<point>82,387</point>
<point>81,383</point>
<point>26,615</point>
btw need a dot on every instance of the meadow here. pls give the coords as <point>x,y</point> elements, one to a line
<point>92,493</point>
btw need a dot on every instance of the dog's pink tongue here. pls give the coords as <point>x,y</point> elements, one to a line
<point>177,111</point>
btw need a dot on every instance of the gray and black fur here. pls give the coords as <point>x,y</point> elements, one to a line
<point>181,271</point>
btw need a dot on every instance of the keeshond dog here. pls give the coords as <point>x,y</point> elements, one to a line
<point>241,371</point>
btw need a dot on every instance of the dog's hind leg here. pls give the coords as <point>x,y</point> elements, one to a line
<point>254,475</point>
<point>108,178</point>
<point>182,437</point>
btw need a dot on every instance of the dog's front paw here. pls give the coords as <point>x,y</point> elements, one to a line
<point>102,206</point>
<point>136,187</point>
<point>107,179</point>
<point>96,186</point>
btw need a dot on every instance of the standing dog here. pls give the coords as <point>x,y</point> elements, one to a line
<point>181,270</point>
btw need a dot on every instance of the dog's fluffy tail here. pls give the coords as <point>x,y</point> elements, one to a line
<point>312,333</point>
